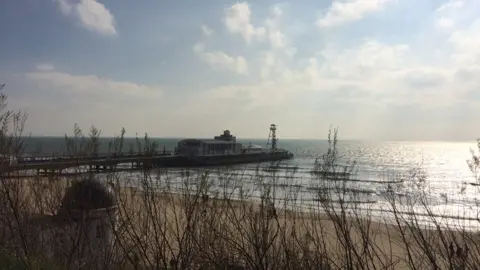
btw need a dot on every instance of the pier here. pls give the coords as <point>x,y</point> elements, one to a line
<point>108,162</point>
<point>97,162</point>
<point>219,151</point>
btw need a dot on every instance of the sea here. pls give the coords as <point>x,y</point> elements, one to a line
<point>418,176</point>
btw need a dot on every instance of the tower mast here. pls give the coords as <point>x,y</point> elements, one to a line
<point>273,136</point>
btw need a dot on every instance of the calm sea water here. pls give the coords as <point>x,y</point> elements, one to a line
<point>447,183</point>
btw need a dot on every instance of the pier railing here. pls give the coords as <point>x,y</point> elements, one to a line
<point>100,156</point>
<point>59,163</point>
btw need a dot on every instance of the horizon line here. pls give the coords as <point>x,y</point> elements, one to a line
<point>298,139</point>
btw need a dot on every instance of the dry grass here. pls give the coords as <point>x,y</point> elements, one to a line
<point>196,228</point>
<point>162,229</point>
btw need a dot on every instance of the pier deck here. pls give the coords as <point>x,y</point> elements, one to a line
<point>110,161</point>
<point>59,163</point>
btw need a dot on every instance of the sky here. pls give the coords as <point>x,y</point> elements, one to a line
<point>376,69</point>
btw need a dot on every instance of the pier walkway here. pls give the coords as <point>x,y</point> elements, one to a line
<point>99,162</point>
<point>109,162</point>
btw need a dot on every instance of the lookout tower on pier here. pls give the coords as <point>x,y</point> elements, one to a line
<point>272,138</point>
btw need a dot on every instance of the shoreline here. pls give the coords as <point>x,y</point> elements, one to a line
<point>379,209</point>
<point>385,216</point>
<point>385,237</point>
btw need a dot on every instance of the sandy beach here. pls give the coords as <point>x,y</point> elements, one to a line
<point>221,223</point>
<point>157,227</point>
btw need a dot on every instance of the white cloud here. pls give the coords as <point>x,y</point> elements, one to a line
<point>277,11</point>
<point>466,44</point>
<point>65,6</point>
<point>45,67</point>
<point>56,100</point>
<point>207,31</point>
<point>458,19</point>
<point>451,5</point>
<point>199,47</point>
<point>91,14</point>
<point>93,85</point>
<point>444,22</point>
<point>446,14</point>
<point>333,68</point>
<point>367,86</point>
<point>277,39</point>
<point>370,58</point>
<point>371,66</point>
<point>343,11</point>
<point>368,82</point>
<point>237,20</point>
<point>222,61</point>
<point>268,63</point>
<point>461,26</point>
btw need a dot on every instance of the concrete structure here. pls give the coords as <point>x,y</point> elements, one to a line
<point>82,229</point>
<point>226,136</point>
<point>225,144</point>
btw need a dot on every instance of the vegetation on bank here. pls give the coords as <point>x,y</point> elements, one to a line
<point>208,220</point>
